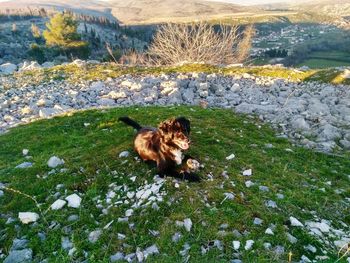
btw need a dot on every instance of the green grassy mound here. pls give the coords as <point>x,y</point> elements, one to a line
<point>92,163</point>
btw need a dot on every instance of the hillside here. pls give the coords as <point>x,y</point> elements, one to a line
<point>265,205</point>
<point>142,11</point>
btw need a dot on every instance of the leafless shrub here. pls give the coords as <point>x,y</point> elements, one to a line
<point>178,43</point>
<point>134,58</point>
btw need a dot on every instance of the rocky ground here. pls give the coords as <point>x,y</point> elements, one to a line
<point>314,115</point>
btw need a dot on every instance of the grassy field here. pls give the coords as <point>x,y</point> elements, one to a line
<point>302,183</point>
<point>326,59</point>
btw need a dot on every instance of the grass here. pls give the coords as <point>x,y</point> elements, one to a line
<point>327,59</point>
<point>92,163</point>
<point>75,74</point>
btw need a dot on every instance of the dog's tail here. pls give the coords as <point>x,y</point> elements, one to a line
<point>131,123</point>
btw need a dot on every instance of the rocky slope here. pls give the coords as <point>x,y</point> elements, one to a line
<point>313,114</point>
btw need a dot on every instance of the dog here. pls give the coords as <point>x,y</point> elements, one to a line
<point>165,146</point>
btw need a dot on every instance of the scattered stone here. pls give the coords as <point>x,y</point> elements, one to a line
<point>58,204</point>
<point>176,237</point>
<point>230,157</point>
<point>188,224</point>
<point>236,244</point>
<point>18,244</point>
<point>271,204</point>
<point>310,248</point>
<point>119,256</point>
<point>25,152</point>
<point>54,161</point>
<point>19,256</point>
<point>248,172</point>
<point>24,165</point>
<point>28,217</point>
<point>65,243</point>
<point>269,231</point>
<point>291,238</point>
<point>264,188</point>
<point>249,184</point>
<point>129,212</point>
<point>94,236</point>
<point>152,250</point>
<point>295,222</point>
<point>74,200</point>
<point>257,221</point>
<point>124,154</point>
<point>249,244</point>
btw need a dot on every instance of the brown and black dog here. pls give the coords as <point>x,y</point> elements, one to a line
<point>165,145</point>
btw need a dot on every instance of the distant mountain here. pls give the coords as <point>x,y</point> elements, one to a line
<point>141,11</point>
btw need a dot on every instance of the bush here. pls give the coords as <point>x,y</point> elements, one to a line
<point>37,53</point>
<point>62,32</point>
<point>177,43</point>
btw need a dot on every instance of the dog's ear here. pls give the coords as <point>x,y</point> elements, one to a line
<point>185,124</point>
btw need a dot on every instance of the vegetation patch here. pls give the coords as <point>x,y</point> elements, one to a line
<point>226,206</point>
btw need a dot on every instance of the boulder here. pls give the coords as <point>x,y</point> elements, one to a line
<point>7,68</point>
<point>19,256</point>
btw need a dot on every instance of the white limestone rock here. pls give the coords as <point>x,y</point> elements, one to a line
<point>74,200</point>
<point>28,217</point>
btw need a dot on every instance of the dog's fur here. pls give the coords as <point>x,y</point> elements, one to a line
<point>165,146</point>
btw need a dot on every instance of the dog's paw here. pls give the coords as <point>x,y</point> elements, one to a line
<point>193,164</point>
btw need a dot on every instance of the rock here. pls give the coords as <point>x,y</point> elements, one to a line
<point>295,222</point>
<point>310,248</point>
<point>25,152</point>
<point>29,66</point>
<point>74,200</point>
<point>129,212</point>
<point>305,259</point>
<point>28,217</point>
<point>151,251</point>
<point>249,184</point>
<point>24,165</point>
<point>48,112</point>
<point>269,231</point>
<point>323,226</point>
<point>291,238</point>
<point>230,157</point>
<point>19,256</point>
<point>257,221</point>
<point>65,243</point>
<point>106,102</point>
<point>299,124</point>
<point>72,218</point>
<point>124,154</point>
<point>176,237</point>
<point>271,204</point>
<point>117,95</point>
<point>247,172</point>
<point>117,257</point>
<point>58,204</point>
<point>7,68</point>
<point>18,244</point>
<point>48,64</point>
<point>249,244</point>
<point>94,236</point>
<point>236,245</point>
<point>54,161</point>
<point>1,193</point>
<point>264,188</point>
<point>188,224</point>
<point>279,250</point>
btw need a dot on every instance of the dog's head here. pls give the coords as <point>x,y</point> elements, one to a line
<point>176,132</point>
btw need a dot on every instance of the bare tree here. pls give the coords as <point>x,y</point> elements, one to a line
<point>177,43</point>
